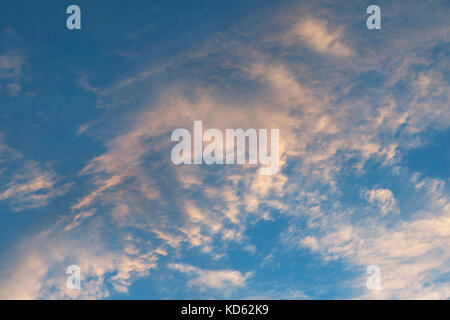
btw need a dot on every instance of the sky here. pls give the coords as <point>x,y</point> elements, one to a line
<point>86,176</point>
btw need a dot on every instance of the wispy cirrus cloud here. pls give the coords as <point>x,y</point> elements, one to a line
<point>215,279</point>
<point>32,187</point>
<point>384,199</point>
<point>27,184</point>
<point>345,125</point>
<point>43,260</point>
<point>412,254</point>
<point>316,34</point>
<point>328,127</point>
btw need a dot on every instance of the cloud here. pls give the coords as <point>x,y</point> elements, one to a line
<point>212,279</point>
<point>79,218</point>
<point>31,187</point>
<point>384,199</point>
<point>42,262</point>
<point>330,127</point>
<point>316,34</point>
<point>413,255</point>
<point>335,115</point>
<point>125,164</point>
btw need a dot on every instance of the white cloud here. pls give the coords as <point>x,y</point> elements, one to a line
<point>212,279</point>
<point>413,255</point>
<point>42,262</point>
<point>325,125</point>
<point>31,187</point>
<point>319,36</point>
<point>384,199</point>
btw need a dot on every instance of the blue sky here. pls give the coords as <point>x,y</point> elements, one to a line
<point>86,176</point>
